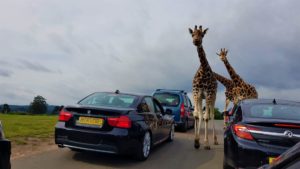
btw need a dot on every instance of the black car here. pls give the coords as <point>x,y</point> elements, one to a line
<point>5,150</point>
<point>180,104</point>
<point>260,130</point>
<point>116,123</point>
<point>288,160</point>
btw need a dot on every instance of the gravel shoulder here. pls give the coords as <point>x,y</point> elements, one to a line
<point>32,146</point>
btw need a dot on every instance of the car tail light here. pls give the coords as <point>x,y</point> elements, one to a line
<point>64,115</point>
<point>182,110</point>
<point>122,121</point>
<point>242,131</point>
<point>286,125</point>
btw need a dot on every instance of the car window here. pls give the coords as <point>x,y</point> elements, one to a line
<point>190,103</point>
<point>109,100</point>
<point>150,104</point>
<point>167,99</point>
<point>185,101</point>
<point>143,107</point>
<point>237,115</point>
<point>158,108</point>
<point>273,111</point>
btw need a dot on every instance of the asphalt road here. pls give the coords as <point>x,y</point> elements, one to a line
<point>178,154</point>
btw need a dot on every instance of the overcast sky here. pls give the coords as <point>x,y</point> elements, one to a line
<point>65,50</point>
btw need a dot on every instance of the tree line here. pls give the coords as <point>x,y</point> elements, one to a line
<point>37,106</point>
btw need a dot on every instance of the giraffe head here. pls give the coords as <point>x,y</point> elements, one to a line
<point>223,54</point>
<point>197,35</point>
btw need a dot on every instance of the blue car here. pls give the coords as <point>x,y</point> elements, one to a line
<point>179,104</point>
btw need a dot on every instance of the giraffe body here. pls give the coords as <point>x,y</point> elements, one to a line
<point>241,90</point>
<point>204,86</point>
<point>229,96</point>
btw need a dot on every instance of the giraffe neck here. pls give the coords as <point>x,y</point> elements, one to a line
<point>202,57</point>
<point>234,76</point>
<point>226,82</point>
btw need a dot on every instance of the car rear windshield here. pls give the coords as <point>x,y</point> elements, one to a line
<point>167,99</point>
<point>273,111</point>
<point>109,100</point>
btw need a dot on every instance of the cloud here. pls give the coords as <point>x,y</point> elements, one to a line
<point>35,66</point>
<point>5,73</point>
<point>66,50</point>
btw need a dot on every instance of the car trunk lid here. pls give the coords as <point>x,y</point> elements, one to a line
<point>280,134</point>
<point>93,118</point>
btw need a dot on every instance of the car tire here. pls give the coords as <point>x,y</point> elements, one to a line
<point>144,147</point>
<point>226,166</point>
<point>171,133</point>
<point>185,126</point>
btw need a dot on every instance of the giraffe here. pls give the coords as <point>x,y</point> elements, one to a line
<point>204,85</point>
<point>228,84</point>
<point>241,89</point>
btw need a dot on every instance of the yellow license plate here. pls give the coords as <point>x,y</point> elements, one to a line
<point>271,159</point>
<point>90,121</point>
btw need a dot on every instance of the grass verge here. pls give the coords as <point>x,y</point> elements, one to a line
<point>20,128</point>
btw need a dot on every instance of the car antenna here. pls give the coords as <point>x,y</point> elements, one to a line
<point>274,101</point>
<point>117,91</point>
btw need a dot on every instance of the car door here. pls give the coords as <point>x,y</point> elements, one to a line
<point>163,122</point>
<point>146,109</point>
<point>189,110</point>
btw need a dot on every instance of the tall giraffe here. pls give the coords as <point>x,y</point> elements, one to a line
<point>228,84</point>
<point>204,84</point>
<point>241,90</point>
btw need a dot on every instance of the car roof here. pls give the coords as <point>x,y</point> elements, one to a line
<point>170,91</point>
<point>132,94</point>
<point>269,101</point>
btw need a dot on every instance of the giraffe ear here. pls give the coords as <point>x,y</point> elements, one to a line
<point>204,32</point>
<point>191,31</point>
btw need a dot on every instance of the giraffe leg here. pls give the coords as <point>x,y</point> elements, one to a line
<point>198,119</point>
<point>212,111</point>
<point>206,117</point>
<point>225,109</point>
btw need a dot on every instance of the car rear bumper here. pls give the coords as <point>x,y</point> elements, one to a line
<point>5,152</point>
<point>243,153</point>
<point>116,141</point>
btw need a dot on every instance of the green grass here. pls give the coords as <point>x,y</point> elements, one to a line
<point>19,127</point>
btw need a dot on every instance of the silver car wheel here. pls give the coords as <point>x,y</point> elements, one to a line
<point>172,133</point>
<point>146,144</point>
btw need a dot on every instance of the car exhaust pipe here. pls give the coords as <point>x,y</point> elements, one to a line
<point>61,146</point>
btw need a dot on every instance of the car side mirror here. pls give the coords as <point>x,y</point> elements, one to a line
<point>168,111</point>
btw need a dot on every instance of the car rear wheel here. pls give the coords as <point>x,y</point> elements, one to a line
<point>144,147</point>
<point>185,126</point>
<point>171,134</point>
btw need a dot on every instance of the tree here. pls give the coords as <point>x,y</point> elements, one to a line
<point>38,105</point>
<point>5,108</point>
<point>218,114</point>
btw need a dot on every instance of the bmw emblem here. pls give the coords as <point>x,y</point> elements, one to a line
<point>89,112</point>
<point>288,133</point>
